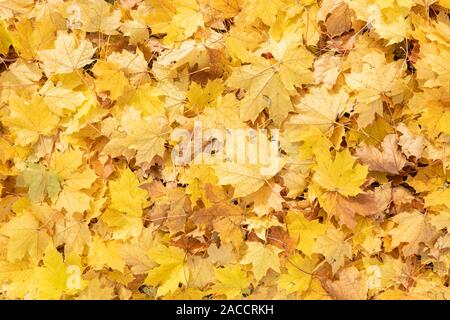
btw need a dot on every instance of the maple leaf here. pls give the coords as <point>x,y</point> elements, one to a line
<point>304,230</point>
<point>60,98</point>
<point>30,120</point>
<point>67,55</point>
<point>342,175</point>
<point>390,20</point>
<point>295,64</point>
<point>96,16</point>
<point>231,281</point>
<point>188,17</point>
<point>264,90</point>
<point>411,144</point>
<point>5,38</point>
<point>326,70</point>
<point>200,97</point>
<point>245,178</point>
<point>73,180</point>
<point>299,274</point>
<point>321,108</point>
<point>146,98</point>
<point>350,286</point>
<point>413,228</point>
<point>346,208</point>
<point>228,8</point>
<point>262,258</point>
<point>147,138</point>
<point>340,20</point>
<point>126,195</point>
<point>81,179</point>
<point>73,200</point>
<point>199,179</point>
<point>201,272</point>
<point>222,255</point>
<point>172,269</point>
<point>20,277</point>
<point>98,289</point>
<point>30,37</point>
<point>264,11</point>
<point>333,246</point>
<point>133,65</point>
<point>266,199</point>
<point>41,182</point>
<point>107,253</point>
<point>26,238</point>
<point>53,276</point>
<point>376,78</point>
<point>389,160</point>
<point>75,234</point>
<point>66,163</point>
<point>110,78</point>
<point>136,30</point>
<point>134,252</point>
<point>269,85</point>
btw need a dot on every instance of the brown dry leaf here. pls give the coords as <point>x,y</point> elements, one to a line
<point>352,285</point>
<point>339,21</point>
<point>413,229</point>
<point>326,69</point>
<point>411,144</point>
<point>389,160</point>
<point>346,208</point>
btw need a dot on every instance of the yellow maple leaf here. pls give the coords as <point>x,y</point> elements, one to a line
<point>200,97</point>
<point>30,120</point>
<point>265,90</point>
<point>100,100</point>
<point>26,237</point>
<point>98,289</point>
<point>147,138</point>
<point>5,38</point>
<point>96,16</point>
<point>60,98</point>
<point>413,228</point>
<point>322,108</point>
<point>231,281</point>
<point>73,200</point>
<point>299,274</point>
<point>74,234</point>
<point>333,246</point>
<point>342,174</point>
<point>266,11</point>
<point>109,78</point>
<point>305,231</point>
<point>172,269</point>
<point>126,195</point>
<point>105,253</point>
<point>262,257</point>
<point>352,285</point>
<point>29,36</point>
<point>20,277</point>
<point>228,8</point>
<point>246,179</point>
<point>269,85</point>
<point>67,56</point>
<point>376,78</point>
<point>54,276</point>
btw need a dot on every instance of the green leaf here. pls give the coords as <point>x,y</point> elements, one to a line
<point>40,182</point>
